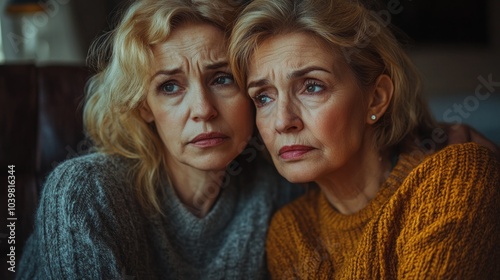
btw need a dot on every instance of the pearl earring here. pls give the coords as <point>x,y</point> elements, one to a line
<point>373,117</point>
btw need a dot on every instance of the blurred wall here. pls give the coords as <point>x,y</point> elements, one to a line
<point>61,33</point>
<point>462,82</point>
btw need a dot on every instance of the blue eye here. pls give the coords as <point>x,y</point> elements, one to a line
<point>224,80</point>
<point>313,87</point>
<point>169,88</point>
<point>261,100</point>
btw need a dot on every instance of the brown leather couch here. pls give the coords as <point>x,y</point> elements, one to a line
<point>41,125</point>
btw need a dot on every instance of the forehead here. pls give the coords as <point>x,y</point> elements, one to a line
<point>199,41</point>
<point>293,49</point>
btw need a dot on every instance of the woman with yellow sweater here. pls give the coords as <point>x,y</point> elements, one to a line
<point>338,104</point>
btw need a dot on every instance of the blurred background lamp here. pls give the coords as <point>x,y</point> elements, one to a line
<point>23,6</point>
<point>24,26</point>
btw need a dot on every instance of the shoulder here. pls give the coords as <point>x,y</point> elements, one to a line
<point>96,162</point>
<point>462,161</point>
<point>87,178</point>
<point>462,178</point>
<point>96,166</point>
<point>472,152</point>
<point>87,220</point>
<point>445,215</point>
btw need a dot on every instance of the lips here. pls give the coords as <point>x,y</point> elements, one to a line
<point>210,139</point>
<point>294,152</point>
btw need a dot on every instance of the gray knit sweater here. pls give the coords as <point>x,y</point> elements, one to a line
<point>89,226</point>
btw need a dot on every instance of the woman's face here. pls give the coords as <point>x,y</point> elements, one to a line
<point>310,110</point>
<point>202,117</point>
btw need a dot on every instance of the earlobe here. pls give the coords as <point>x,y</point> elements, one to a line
<point>146,113</point>
<point>380,98</point>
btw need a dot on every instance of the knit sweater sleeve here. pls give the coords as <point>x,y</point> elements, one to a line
<point>77,227</point>
<point>452,225</point>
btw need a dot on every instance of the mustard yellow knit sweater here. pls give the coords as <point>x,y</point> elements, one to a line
<point>434,218</point>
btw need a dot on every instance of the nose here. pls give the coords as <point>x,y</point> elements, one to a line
<point>202,105</point>
<point>287,118</point>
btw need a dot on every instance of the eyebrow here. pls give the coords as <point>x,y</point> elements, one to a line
<point>258,83</point>
<point>293,75</point>
<point>217,65</point>
<point>167,72</point>
<point>302,72</point>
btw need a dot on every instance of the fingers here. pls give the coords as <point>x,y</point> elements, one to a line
<point>462,133</point>
<point>481,140</point>
<point>458,133</point>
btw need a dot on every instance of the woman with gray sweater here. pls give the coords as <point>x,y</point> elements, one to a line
<point>176,188</point>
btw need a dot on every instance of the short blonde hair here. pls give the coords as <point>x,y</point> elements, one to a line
<point>123,60</point>
<point>365,42</point>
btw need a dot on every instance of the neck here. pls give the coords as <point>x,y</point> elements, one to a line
<point>350,188</point>
<point>197,189</point>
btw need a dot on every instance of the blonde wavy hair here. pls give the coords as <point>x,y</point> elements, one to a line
<point>114,95</point>
<point>357,34</point>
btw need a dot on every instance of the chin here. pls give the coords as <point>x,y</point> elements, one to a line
<point>298,176</point>
<point>213,166</point>
<point>212,162</point>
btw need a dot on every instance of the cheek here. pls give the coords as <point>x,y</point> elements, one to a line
<point>161,115</point>
<point>173,114</point>
<point>341,129</point>
<point>265,130</point>
<point>329,124</point>
<point>240,115</point>
<point>155,106</point>
<point>167,122</point>
<point>332,118</point>
<point>265,122</point>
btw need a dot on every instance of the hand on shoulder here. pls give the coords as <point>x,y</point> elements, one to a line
<point>462,133</point>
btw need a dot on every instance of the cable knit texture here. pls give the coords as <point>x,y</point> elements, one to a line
<point>435,217</point>
<point>89,226</point>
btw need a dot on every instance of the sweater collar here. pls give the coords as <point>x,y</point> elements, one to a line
<point>334,220</point>
<point>186,226</point>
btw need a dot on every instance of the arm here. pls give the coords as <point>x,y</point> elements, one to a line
<point>453,232</point>
<point>75,230</point>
